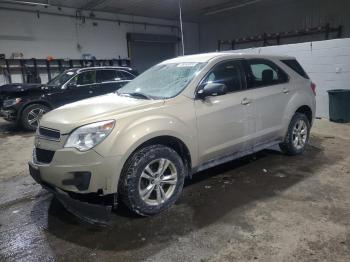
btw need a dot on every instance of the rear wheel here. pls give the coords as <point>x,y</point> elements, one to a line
<point>152,180</point>
<point>31,116</point>
<point>297,135</point>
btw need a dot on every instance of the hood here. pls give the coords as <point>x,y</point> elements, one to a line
<point>18,88</point>
<point>71,116</point>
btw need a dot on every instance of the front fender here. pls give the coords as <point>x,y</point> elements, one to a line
<point>126,140</point>
<point>31,101</point>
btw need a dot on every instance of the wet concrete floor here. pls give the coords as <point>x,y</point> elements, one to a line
<point>265,207</point>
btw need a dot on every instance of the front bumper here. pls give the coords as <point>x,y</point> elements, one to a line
<point>78,172</point>
<point>92,213</point>
<point>82,181</point>
<point>8,114</point>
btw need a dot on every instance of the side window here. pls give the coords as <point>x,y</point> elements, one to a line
<point>106,76</point>
<point>264,73</point>
<point>86,78</point>
<point>125,75</point>
<point>294,64</point>
<point>228,73</point>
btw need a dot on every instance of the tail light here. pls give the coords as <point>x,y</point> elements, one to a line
<point>313,88</point>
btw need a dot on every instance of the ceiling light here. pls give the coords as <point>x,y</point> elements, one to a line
<point>220,10</point>
<point>25,2</point>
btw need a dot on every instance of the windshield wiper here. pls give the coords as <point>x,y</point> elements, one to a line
<point>137,94</point>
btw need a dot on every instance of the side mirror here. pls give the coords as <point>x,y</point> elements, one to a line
<point>212,89</point>
<point>71,85</point>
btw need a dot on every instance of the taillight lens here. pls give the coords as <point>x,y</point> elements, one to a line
<point>313,88</point>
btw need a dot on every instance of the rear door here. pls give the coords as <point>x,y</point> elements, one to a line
<point>107,81</point>
<point>225,123</point>
<point>110,80</point>
<point>271,94</point>
<point>125,77</point>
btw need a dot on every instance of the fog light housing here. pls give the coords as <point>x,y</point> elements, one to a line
<point>81,180</point>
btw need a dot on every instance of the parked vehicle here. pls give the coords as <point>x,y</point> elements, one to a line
<point>26,103</point>
<point>179,117</point>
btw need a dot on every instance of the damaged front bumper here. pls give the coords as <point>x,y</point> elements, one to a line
<point>88,207</point>
<point>9,115</point>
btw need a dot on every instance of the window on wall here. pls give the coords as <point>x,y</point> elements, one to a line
<point>228,73</point>
<point>264,73</point>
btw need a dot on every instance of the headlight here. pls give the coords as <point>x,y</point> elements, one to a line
<point>11,102</point>
<point>88,136</point>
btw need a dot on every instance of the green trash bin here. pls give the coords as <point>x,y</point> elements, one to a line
<point>339,105</point>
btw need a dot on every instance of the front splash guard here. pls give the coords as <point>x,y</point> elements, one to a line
<point>91,213</point>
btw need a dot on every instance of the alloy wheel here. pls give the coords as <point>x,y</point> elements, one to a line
<point>158,182</point>
<point>300,133</point>
<point>34,116</point>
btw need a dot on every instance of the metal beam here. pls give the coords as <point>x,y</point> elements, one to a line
<point>90,5</point>
<point>28,3</point>
<point>119,21</point>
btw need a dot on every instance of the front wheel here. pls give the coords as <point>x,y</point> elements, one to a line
<point>297,135</point>
<point>152,180</point>
<point>31,116</point>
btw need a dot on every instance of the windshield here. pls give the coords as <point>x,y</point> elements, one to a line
<point>162,81</point>
<point>61,78</point>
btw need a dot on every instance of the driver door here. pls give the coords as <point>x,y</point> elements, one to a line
<point>225,123</point>
<point>80,87</point>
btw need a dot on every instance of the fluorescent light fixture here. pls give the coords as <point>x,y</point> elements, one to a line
<point>224,9</point>
<point>24,2</point>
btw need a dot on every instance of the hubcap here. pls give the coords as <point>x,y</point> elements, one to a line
<point>158,182</point>
<point>300,133</point>
<point>34,116</point>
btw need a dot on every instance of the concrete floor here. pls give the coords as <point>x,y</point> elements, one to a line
<point>265,207</point>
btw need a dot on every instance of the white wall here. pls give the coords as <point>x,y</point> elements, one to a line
<point>326,62</point>
<point>58,36</point>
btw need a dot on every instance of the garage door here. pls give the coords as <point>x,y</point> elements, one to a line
<point>147,50</point>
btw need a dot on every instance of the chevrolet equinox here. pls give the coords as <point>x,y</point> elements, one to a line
<point>186,114</point>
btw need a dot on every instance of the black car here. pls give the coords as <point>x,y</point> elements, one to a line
<point>26,103</point>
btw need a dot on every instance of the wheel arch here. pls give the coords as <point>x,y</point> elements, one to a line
<point>302,101</point>
<point>170,141</point>
<point>33,102</point>
<point>307,111</point>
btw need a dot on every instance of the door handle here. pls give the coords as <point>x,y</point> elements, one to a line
<point>246,101</point>
<point>285,90</point>
<point>91,92</point>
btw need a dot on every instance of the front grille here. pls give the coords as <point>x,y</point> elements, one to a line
<point>3,97</point>
<point>44,156</point>
<point>50,134</point>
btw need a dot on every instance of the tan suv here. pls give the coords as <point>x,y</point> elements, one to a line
<point>181,116</point>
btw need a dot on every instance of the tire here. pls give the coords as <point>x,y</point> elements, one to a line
<point>291,146</point>
<point>31,115</point>
<point>141,173</point>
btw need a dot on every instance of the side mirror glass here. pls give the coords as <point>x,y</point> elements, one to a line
<point>212,89</point>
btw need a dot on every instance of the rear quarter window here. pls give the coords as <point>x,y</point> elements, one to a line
<point>262,72</point>
<point>295,66</point>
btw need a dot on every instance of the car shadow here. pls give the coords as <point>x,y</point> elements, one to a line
<point>207,199</point>
<point>11,129</point>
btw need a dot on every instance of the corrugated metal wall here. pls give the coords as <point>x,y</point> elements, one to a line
<point>273,16</point>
